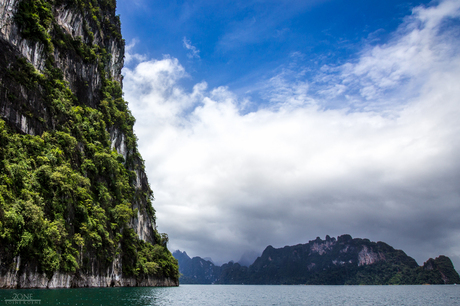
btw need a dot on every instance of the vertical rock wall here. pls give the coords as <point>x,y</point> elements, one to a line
<point>25,110</point>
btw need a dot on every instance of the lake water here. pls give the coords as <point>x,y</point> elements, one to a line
<point>239,295</point>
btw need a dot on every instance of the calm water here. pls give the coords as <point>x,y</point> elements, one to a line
<point>240,295</point>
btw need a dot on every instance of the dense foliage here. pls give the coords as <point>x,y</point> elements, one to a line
<point>66,196</point>
<point>324,262</point>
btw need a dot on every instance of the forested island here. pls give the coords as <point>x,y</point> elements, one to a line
<point>75,202</point>
<point>341,261</point>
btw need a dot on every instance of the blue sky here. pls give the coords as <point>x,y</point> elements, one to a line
<point>238,43</point>
<point>274,122</point>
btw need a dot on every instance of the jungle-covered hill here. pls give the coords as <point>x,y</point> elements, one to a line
<point>341,261</point>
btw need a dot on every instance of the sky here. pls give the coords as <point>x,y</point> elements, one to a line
<point>269,122</point>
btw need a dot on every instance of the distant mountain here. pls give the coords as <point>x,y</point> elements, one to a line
<point>330,262</point>
<point>196,270</point>
<point>248,258</point>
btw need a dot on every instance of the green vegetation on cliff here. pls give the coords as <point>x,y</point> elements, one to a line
<point>66,195</point>
<point>341,261</point>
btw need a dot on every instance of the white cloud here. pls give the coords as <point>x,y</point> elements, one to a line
<point>226,182</point>
<point>129,56</point>
<point>194,52</point>
<point>418,49</point>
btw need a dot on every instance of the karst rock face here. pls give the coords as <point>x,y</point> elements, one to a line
<point>334,261</point>
<point>75,203</point>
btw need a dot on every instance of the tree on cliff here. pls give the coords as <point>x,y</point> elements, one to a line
<point>74,197</point>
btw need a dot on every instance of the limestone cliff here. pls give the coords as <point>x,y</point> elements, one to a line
<point>324,262</point>
<point>196,270</point>
<point>75,203</point>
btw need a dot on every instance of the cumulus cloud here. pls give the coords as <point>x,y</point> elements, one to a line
<point>194,52</point>
<point>133,57</point>
<point>226,181</point>
<point>422,46</point>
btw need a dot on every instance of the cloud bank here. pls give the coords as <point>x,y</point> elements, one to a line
<point>368,148</point>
